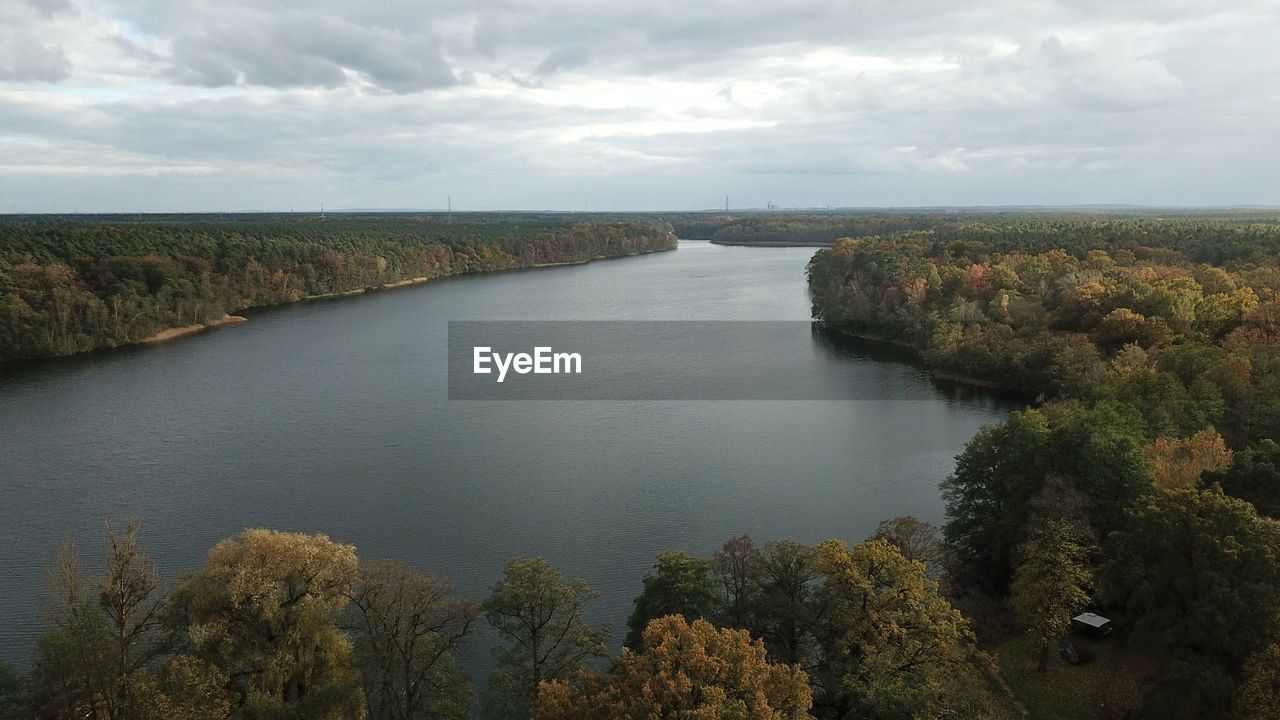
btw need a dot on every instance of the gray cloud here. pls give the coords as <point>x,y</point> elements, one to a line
<point>488,35</point>
<point>302,50</point>
<point>49,8</point>
<point>25,58</point>
<point>131,49</point>
<point>506,104</point>
<point>565,58</point>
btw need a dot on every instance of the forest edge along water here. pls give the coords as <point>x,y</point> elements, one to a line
<point>188,436</point>
<point>1148,343</point>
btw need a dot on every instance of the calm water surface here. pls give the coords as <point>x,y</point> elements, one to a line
<point>333,417</point>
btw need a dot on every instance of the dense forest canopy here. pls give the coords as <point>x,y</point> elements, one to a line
<point>1146,476</point>
<point>73,284</point>
<point>1002,302</point>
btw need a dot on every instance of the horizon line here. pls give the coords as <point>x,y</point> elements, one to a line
<point>832,209</point>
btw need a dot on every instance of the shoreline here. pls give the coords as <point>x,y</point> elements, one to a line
<point>177,332</point>
<point>934,373</point>
<point>881,339</point>
<point>772,243</point>
<point>566,263</point>
<point>969,380</point>
<point>359,291</point>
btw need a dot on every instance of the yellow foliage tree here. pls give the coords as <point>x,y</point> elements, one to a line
<point>184,689</point>
<point>263,611</point>
<point>686,672</point>
<point>892,646</point>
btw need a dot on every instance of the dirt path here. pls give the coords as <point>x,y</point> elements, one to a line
<point>995,672</point>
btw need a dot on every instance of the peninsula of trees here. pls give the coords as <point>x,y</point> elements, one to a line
<point>69,285</point>
<point>1146,476</point>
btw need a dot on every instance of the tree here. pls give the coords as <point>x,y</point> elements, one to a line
<point>680,585</point>
<point>10,693</point>
<point>1095,450</point>
<point>263,611</point>
<point>96,660</point>
<point>1200,571</point>
<point>130,592</point>
<point>73,673</point>
<point>1259,697</point>
<point>1077,368</point>
<point>916,540</point>
<point>72,668</point>
<point>1254,475</point>
<point>407,626</point>
<point>892,647</point>
<point>1233,376</point>
<point>685,672</point>
<point>1165,405</point>
<point>785,610</point>
<point>185,688</point>
<point>1051,582</point>
<point>737,566</point>
<point>1122,326</point>
<point>999,471</point>
<point>1179,463</point>
<point>541,617</point>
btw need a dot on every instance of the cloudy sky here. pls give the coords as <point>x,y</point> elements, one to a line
<point>175,105</point>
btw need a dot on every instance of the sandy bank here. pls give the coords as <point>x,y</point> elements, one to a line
<point>177,332</point>
<point>402,283</point>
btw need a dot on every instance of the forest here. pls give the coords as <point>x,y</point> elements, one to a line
<point>825,227</point>
<point>73,284</point>
<point>287,625</point>
<point>1144,479</point>
<point>1140,482</point>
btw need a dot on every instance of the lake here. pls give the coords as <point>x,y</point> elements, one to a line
<point>334,417</point>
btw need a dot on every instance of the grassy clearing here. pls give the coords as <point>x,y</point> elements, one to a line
<point>1103,689</point>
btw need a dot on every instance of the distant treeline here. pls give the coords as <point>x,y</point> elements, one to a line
<point>1147,476</point>
<point>1013,226</point>
<point>818,229</point>
<point>68,285</point>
